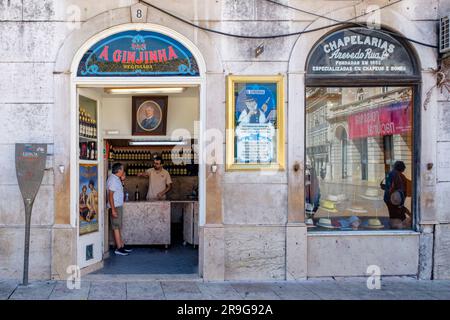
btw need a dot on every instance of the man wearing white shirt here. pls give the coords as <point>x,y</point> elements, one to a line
<point>114,189</point>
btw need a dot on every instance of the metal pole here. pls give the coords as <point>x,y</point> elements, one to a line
<point>28,208</point>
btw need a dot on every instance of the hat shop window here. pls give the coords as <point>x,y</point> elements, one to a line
<point>361,129</point>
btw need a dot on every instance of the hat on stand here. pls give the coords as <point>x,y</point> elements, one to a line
<point>357,209</point>
<point>371,194</point>
<point>329,206</point>
<point>375,223</point>
<point>325,223</point>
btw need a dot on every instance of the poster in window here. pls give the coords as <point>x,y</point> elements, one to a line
<point>88,199</point>
<point>255,123</point>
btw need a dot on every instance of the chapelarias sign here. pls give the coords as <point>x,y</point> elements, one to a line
<point>360,51</point>
<point>138,54</point>
<point>387,120</point>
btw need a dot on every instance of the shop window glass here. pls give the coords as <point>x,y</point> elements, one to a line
<point>358,146</point>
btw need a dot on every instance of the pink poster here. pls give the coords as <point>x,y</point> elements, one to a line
<point>387,120</point>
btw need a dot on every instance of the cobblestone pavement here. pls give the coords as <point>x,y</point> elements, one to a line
<point>314,289</point>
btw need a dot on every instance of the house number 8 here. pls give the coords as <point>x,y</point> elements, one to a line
<point>139,14</point>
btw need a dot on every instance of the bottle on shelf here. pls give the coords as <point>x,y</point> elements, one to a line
<point>137,194</point>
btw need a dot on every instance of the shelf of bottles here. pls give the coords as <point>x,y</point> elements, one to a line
<point>87,135</point>
<point>182,163</point>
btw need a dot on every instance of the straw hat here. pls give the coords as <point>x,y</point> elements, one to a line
<point>375,223</point>
<point>325,223</point>
<point>371,194</point>
<point>336,197</point>
<point>328,205</point>
<point>357,209</point>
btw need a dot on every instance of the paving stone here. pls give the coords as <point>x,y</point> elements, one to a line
<point>329,290</point>
<point>107,291</point>
<point>256,291</point>
<point>181,290</point>
<point>7,287</point>
<point>218,291</point>
<point>34,291</point>
<point>62,292</point>
<point>294,291</point>
<point>412,295</point>
<point>440,295</point>
<point>148,290</point>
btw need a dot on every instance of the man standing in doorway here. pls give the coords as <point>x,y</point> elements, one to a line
<point>114,189</point>
<point>159,182</point>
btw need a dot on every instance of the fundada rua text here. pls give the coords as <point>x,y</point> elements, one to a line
<point>124,56</point>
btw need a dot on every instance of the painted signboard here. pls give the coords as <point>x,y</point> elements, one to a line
<point>360,51</point>
<point>392,119</point>
<point>138,54</point>
<point>30,167</point>
<point>88,199</point>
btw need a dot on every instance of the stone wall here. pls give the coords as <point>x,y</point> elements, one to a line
<point>247,213</point>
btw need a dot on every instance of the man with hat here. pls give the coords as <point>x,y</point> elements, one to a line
<point>251,112</point>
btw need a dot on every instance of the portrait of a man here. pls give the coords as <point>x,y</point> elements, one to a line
<point>149,115</point>
<point>152,117</point>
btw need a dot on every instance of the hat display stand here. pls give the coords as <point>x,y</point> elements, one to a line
<point>328,207</point>
<point>356,209</point>
<point>375,223</point>
<point>309,213</point>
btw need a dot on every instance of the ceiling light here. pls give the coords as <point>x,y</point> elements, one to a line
<point>143,90</point>
<point>157,143</point>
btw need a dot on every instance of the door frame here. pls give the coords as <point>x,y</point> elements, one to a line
<point>77,82</point>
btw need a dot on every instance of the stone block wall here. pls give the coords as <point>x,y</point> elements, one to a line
<point>252,208</point>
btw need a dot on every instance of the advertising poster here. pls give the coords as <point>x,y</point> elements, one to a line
<point>254,116</point>
<point>88,199</point>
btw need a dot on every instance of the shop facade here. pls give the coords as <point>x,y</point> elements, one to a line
<point>252,222</point>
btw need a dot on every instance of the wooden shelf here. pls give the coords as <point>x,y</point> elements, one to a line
<point>88,139</point>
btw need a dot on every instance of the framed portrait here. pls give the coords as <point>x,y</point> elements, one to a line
<point>88,199</point>
<point>255,123</point>
<point>149,116</point>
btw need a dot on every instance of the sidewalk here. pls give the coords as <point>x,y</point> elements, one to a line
<point>315,289</point>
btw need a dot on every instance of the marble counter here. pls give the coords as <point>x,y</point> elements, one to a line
<point>146,223</point>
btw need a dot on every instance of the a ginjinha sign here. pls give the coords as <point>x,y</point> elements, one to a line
<point>360,51</point>
<point>138,53</point>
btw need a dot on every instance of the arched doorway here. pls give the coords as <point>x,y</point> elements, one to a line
<point>142,59</point>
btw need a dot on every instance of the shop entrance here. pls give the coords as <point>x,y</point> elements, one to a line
<point>143,108</point>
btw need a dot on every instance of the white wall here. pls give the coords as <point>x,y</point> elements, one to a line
<point>183,111</point>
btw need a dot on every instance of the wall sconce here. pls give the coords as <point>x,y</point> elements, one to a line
<point>62,168</point>
<point>214,167</point>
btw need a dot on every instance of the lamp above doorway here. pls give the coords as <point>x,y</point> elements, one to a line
<point>155,90</point>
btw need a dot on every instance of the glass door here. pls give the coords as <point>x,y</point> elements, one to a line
<point>90,219</point>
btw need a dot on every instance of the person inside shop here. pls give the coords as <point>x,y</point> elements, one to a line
<point>396,189</point>
<point>312,189</point>
<point>114,189</point>
<point>159,181</point>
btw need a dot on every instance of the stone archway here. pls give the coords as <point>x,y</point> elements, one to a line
<point>64,240</point>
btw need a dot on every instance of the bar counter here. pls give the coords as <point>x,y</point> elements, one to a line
<point>148,222</point>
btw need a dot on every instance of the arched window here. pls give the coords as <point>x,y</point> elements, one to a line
<point>352,65</point>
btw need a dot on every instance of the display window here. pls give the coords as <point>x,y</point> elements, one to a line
<point>362,134</point>
<point>358,157</point>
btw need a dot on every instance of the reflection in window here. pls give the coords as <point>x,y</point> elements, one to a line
<point>360,94</point>
<point>353,143</point>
